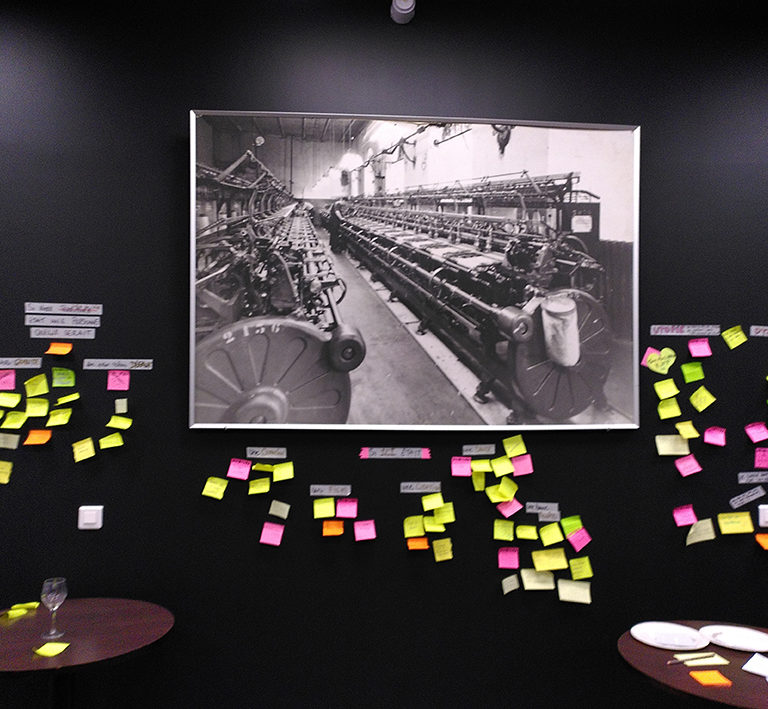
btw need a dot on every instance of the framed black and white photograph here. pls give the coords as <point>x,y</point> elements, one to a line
<point>412,273</point>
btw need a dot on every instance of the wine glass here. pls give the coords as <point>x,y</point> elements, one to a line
<point>52,595</point>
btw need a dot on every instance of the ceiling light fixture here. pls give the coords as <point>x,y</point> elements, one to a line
<point>402,11</point>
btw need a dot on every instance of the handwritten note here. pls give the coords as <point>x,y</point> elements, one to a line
<point>734,336</point>
<point>7,379</point>
<point>442,549</point>
<point>118,380</point>
<point>62,377</point>
<point>346,507</point>
<point>579,539</point>
<point>581,568</point>
<point>537,580</point>
<point>37,385</point>
<point>6,466</point>
<point>686,429</point>
<point>550,534</point>
<point>701,399</point>
<point>417,543</point>
<point>761,454</point>
<point>666,388</point>
<point>668,408</point>
<point>82,450</point>
<point>14,420</point>
<point>523,464</point>
<point>59,348</point>
<point>215,487</point>
<point>37,437</point>
<point>9,399</point>
<point>672,445</point>
<point>549,559</point>
<point>509,507</point>
<point>280,509</point>
<point>527,531</point>
<point>461,466</point>
<point>431,501</point>
<point>701,531</point>
<point>239,468</point>
<point>514,446</point>
<point>323,507</point>
<point>502,466</point>
<point>258,486</point>
<point>333,527</point>
<point>121,422</point>
<point>508,558</point>
<point>113,440</point>
<point>692,372</point>
<point>510,583</point>
<point>37,406</point>
<point>282,471</point>
<point>735,523</point>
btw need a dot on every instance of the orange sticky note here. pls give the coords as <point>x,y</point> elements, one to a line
<point>710,678</point>
<point>762,540</point>
<point>36,437</point>
<point>59,348</point>
<point>333,527</point>
<point>417,543</point>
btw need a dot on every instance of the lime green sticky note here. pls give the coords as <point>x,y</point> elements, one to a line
<point>413,526</point>
<point>432,525</point>
<point>478,480</point>
<point>215,487</point>
<point>282,471</point>
<point>504,529</point>
<point>701,399</point>
<point>68,399</point>
<point>121,422</point>
<point>58,417</point>
<point>323,507</point>
<point>735,523</point>
<point>514,445</point>
<point>37,406</point>
<point>549,559</point>
<point>502,466</point>
<point>14,419</point>
<point>27,606</point>
<point>481,465</point>
<point>550,534</point>
<point>83,449</point>
<point>666,388</point>
<point>692,371</point>
<point>9,399</point>
<point>62,377</point>
<point>668,408</point>
<point>36,386</point>
<point>12,613</point>
<point>445,513</point>
<point>571,524</point>
<point>113,440</point>
<point>431,501</point>
<point>686,429</point>
<point>51,649</point>
<point>507,488</point>
<point>734,336</point>
<point>258,486</point>
<point>527,531</point>
<point>442,549</point>
<point>581,568</point>
<point>6,466</point>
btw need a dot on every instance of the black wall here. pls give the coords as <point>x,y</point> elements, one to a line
<point>94,208</point>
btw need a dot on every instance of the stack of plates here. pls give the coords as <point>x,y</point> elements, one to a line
<point>675,636</point>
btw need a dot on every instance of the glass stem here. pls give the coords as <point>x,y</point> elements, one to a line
<point>53,622</point>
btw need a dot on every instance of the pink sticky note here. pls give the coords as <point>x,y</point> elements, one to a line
<point>364,452</point>
<point>579,538</point>
<point>761,457</point>
<point>684,515</point>
<point>425,454</point>
<point>509,507</point>
<point>272,533</point>
<point>239,468</point>
<point>118,380</point>
<point>365,529</point>
<point>756,431</point>
<point>699,347</point>
<point>346,507</point>
<point>649,351</point>
<point>687,465</point>
<point>523,464</point>
<point>715,436</point>
<point>461,466</point>
<point>7,379</point>
<point>509,558</point>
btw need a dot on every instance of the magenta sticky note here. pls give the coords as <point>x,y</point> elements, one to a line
<point>648,352</point>
<point>684,515</point>
<point>761,457</point>
<point>461,466</point>
<point>509,558</point>
<point>579,538</point>
<point>346,507</point>
<point>272,533</point>
<point>118,380</point>
<point>364,452</point>
<point>756,431</point>
<point>365,529</point>
<point>7,379</point>
<point>687,465</point>
<point>509,507</point>
<point>523,464</point>
<point>699,347</point>
<point>239,468</point>
<point>426,454</point>
<point>715,436</point>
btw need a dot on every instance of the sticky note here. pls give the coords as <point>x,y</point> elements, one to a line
<point>523,464</point>
<point>37,437</point>
<point>346,507</point>
<point>508,558</point>
<point>413,526</point>
<point>571,524</point>
<point>668,408</point>
<point>417,543</point>
<point>503,529</point>
<point>756,431</point>
<point>28,605</point>
<point>687,465</point>
<point>263,467</point>
<point>684,515</point>
<point>537,580</point>
<point>648,352</point>
<point>82,450</point>
<point>527,531</point>
<point>37,385</point>
<point>431,501</point>
<point>62,377</point>
<point>481,465</point>
<point>323,507</point>
<point>333,527</point>
<point>509,507</point>
<point>432,525</point>
<point>701,399</point>
<point>699,347</point>
<point>215,487</point>
<point>734,336</point>
<point>113,440</point>
<point>279,509</point>
<point>735,523</point>
<point>69,398</point>
<point>51,649</point>
<point>549,559</point>
<point>365,529</point>
<point>579,539</point>
<point>761,454</point>
<point>118,380</point>
<point>666,388</point>
<point>442,549</point>
<point>686,429</point>
<point>692,372</point>
<point>9,441</point>
<point>461,466</point>
<point>9,399</point>
<point>36,406</point>
<point>710,678</point>
<point>478,480</point>
<point>762,540</point>
<point>502,466</point>
<point>550,534</point>
<point>494,494</point>
<point>59,417</point>
<point>445,513</point>
<point>121,406</point>
<point>507,488</point>
<point>570,591</point>
<point>239,468</point>
<point>15,613</point>
<point>7,379</point>
<point>6,467</point>
<point>282,471</point>
<point>581,568</point>
<point>672,445</point>
<point>661,362</point>
<point>514,446</point>
<point>701,531</point>
<point>59,348</point>
<point>699,659</point>
<point>715,436</point>
<point>121,422</point>
<point>258,486</point>
<point>510,583</point>
<point>272,534</point>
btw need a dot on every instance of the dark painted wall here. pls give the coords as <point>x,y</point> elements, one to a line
<point>93,208</point>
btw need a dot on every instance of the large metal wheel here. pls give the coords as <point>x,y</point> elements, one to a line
<point>559,392</point>
<point>269,370</point>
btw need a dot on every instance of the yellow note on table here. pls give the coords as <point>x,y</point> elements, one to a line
<point>442,549</point>
<point>9,399</point>
<point>37,406</point>
<point>527,531</point>
<point>83,449</point>
<point>113,440</point>
<point>121,422</point>
<point>537,580</point>
<point>36,386</point>
<point>710,678</point>
<point>701,399</point>
<point>51,649</point>
<point>549,559</point>
<point>12,613</point>
<point>686,429</point>
<point>735,523</point>
<point>28,606</point>
<point>574,591</point>
<point>504,529</point>
<point>502,466</point>
<point>668,408</point>
<point>215,487</point>
<point>323,507</point>
<point>258,486</point>
<point>282,471</point>
<point>431,501</point>
<point>666,388</point>
<point>413,526</point>
<point>514,445</point>
<point>14,419</point>
<point>432,525</point>
<point>700,659</point>
<point>550,534</point>
<point>445,513</point>
<point>581,568</point>
<point>58,417</point>
<point>734,336</point>
<point>6,466</point>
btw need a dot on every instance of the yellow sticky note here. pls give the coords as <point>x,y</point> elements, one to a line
<point>113,440</point>
<point>263,467</point>
<point>574,591</point>
<point>551,534</point>
<point>581,568</point>
<point>282,471</point>
<point>6,466</point>
<point>121,422</point>
<point>710,678</point>
<point>58,417</point>
<point>527,531</point>
<point>504,529</point>
<point>12,613</point>
<point>215,487</point>
<point>507,488</point>
<point>445,513</point>
<point>36,386</point>
<point>51,649</point>
<point>431,501</point>
<point>68,399</point>
<point>37,437</point>
<point>37,406</point>
<point>258,486</point>
<point>701,399</point>
<point>549,559</point>
<point>323,507</point>
<point>481,465</point>
<point>9,399</point>
<point>478,480</point>
<point>735,523</point>
<point>413,526</point>
<point>514,445</point>
<point>442,549</point>
<point>83,449</point>
<point>666,388</point>
<point>14,419</point>
<point>492,491</point>
<point>502,466</point>
<point>734,336</point>
<point>28,605</point>
<point>668,408</point>
<point>432,525</point>
<point>686,429</point>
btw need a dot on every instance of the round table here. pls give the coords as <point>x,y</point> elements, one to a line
<point>748,689</point>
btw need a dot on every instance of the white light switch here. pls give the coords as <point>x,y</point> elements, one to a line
<point>90,516</point>
<point>762,515</point>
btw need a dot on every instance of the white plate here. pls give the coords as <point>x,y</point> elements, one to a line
<point>668,636</point>
<point>736,637</point>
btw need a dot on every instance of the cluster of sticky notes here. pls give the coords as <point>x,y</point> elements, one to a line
<point>253,473</point>
<point>333,512</point>
<point>17,610</point>
<point>435,514</point>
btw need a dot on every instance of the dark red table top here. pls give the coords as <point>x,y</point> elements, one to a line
<point>748,689</point>
<point>96,629</point>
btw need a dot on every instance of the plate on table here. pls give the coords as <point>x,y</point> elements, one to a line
<point>668,636</point>
<point>736,637</point>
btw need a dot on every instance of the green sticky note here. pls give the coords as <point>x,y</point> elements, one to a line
<point>36,386</point>
<point>62,377</point>
<point>58,417</point>
<point>431,501</point>
<point>445,513</point>
<point>666,388</point>
<point>527,531</point>
<point>113,440</point>
<point>504,529</point>
<point>502,466</point>
<point>258,486</point>
<point>581,568</point>
<point>323,507</point>
<point>668,408</point>
<point>571,524</point>
<point>9,399</point>
<point>550,534</point>
<point>413,526</point>
<point>215,487</point>
<point>14,419</point>
<point>701,399</point>
<point>692,371</point>
<point>282,471</point>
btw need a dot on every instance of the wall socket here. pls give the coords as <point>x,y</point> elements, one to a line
<point>90,516</point>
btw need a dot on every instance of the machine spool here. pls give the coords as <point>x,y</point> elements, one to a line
<point>561,331</point>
